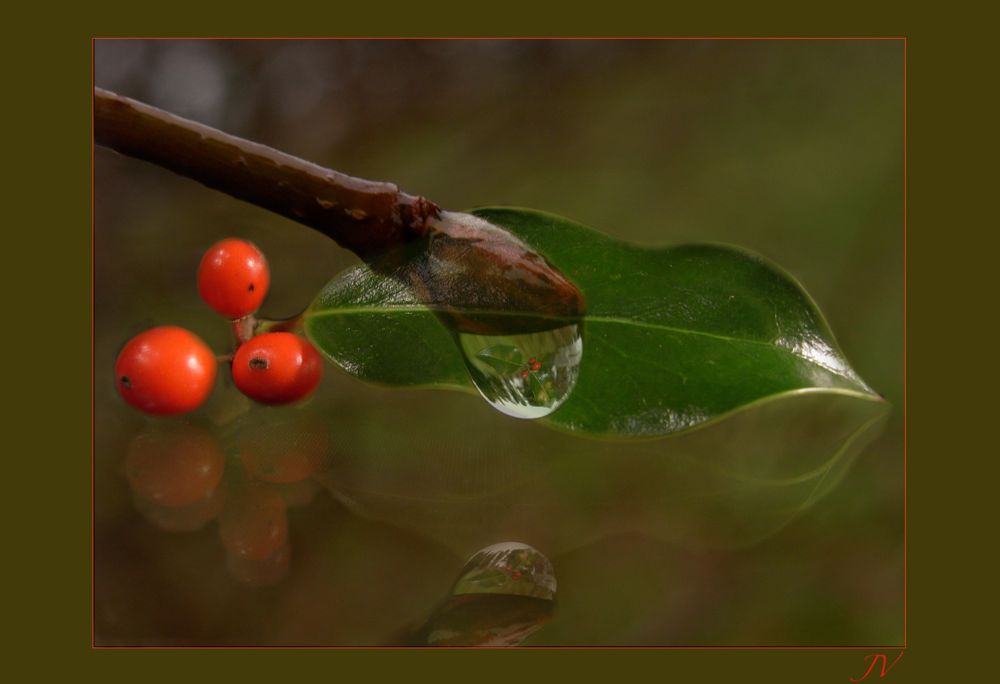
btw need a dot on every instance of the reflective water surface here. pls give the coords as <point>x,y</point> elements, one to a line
<point>342,523</point>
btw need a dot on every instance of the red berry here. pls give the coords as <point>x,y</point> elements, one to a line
<point>277,368</point>
<point>233,278</point>
<point>165,371</point>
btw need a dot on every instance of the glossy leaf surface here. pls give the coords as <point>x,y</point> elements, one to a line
<point>673,337</point>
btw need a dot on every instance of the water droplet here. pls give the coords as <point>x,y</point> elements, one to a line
<point>528,375</point>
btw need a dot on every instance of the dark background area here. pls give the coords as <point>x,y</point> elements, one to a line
<point>790,149</point>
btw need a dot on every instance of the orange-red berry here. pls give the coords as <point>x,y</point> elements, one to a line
<point>233,278</point>
<point>277,368</point>
<point>165,371</point>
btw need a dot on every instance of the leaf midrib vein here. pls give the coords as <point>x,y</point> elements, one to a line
<point>348,311</point>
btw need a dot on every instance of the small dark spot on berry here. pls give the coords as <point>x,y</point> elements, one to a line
<point>257,363</point>
<point>250,288</point>
<point>126,383</point>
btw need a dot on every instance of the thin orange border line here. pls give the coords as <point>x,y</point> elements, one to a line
<point>432,649</point>
<point>93,225</point>
<point>93,361</point>
<point>903,38</point>
<point>905,518</point>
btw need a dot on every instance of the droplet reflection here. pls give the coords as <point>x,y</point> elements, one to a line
<point>504,594</point>
<point>528,375</point>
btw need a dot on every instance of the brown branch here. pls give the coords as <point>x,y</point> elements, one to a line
<point>367,217</point>
<point>461,265</point>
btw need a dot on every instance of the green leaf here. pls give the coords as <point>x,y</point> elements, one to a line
<point>673,338</point>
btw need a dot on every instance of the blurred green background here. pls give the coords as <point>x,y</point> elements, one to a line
<point>793,149</point>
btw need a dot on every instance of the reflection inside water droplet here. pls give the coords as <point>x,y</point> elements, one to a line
<point>528,375</point>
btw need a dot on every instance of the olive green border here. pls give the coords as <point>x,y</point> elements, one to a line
<point>48,241</point>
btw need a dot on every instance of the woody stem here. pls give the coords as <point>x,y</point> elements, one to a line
<point>367,217</point>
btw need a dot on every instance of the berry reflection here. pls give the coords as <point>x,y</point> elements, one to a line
<point>244,476</point>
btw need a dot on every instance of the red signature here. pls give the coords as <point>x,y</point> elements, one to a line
<point>875,658</point>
